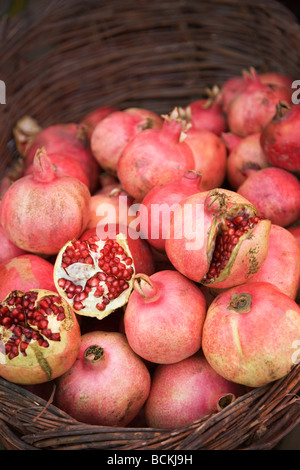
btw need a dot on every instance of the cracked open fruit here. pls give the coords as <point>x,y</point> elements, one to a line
<point>95,276</point>
<point>39,336</point>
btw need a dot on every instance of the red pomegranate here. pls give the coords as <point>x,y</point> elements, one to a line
<point>246,158</point>
<point>95,276</point>
<point>295,231</point>
<point>40,336</point>
<point>8,249</point>
<point>155,156</point>
<point>25,272</point>
<point>107,385</point>
<point>184,392</point>
<point>210,157</point>
<point>91,119</point>
<point>42,211</point>
<point>207,114</point>
<point>282,265</point>
<point>112,133</point>
<point>251,334</point>
<point>280,139</point>
<point>156,207</point>
<point>275,193</point>
<point>164,317</point>
<point>70,139</point>
<point>217,238</point>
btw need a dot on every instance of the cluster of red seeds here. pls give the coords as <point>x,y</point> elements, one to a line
<point>226,241</point>
<point>28,321</point>
<point>115,271</point>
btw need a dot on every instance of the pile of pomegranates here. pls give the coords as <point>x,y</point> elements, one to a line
<point>150,265</point>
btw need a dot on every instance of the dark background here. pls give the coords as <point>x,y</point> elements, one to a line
<point>294,6</point>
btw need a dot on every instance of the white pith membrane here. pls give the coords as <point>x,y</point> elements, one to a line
<point>228,231</point>
<point>27,318</point>
<point>94,276</point>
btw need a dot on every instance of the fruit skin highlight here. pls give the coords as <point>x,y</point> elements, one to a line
<point>251,334</point>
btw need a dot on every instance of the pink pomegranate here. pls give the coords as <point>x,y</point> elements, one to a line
<point>156,207</point>
<point>64,165</point>
<point>95,276</point>
<point>275,193</point>
<point>70,139</point>
<point>254,107</point>
<point>230,89</point>
<point>91,119</point>
<point>139,248</point>
<point>110,205</point>
<point>153,157</point>
<point>246,158</point>
<point>251,334</point>
<point>112,133</point>
<point>25,272</point>
<point>217,238</point>
<point>8,249</point>
<point>42,211</point>
<point>282,265</point>
<point>295,231</point>
<point>210,157</point>
<point>40,336</point>
<point>280,139</point>
<point>164,317</point>
<point>207,114</point>
<point>108,384</point>
<point>276,78</point>
<point>230,140</point>
<point>184,392</point>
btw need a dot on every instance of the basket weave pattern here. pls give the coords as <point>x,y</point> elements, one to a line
<point>62,59</point>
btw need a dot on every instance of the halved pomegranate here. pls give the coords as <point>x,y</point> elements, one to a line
<point>95,276</point>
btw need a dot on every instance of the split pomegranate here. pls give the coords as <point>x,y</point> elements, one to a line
<point>246,158</point>
<point>112,133</point>
<point>107,385</point>
<point>157,205</point>
<point>254,107</point>
<point>39,336</point>
<point>280,139</point>
<point>155,156</point>
<point>95,276</point>
<point>40,212</point>
<point>275,193</point>
<point>251,334</point>
<point>164,317</point>
<point>184,392</point>
<point>25,272</point>
<point>69,139</point>
<point>221,241</point>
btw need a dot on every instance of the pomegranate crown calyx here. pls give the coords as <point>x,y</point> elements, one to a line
<point>43,169</point>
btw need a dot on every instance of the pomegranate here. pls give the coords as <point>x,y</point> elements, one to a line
<point>64,165</point>
<point>40,336</point>
<point>184,392</point>
<point>231,88</point>
<point>164,317</point>
<point>155,156</point>
<point>280,140</point>
<point>210,157</point>
<point>40,212</point>
<point>246,158</point>
<point>249,334</point>
<point>254,107</point>
<point>283,253</point>
<point>275,193</point>
<point>25,272</point>
<point>8,249</point>
<point>105,179</point>
<point>91,119</point>
<point>276,78</point>
<point>95,276</point>
<point>108,385</point>
<point>217,238</point>
<point>110,205</point>
<point>112,133</point>
<point>207,114</point>
<point>230,140</point>
<point>139,248</point>
<point>295,231</point>
<point>157,205</point>
<point>70,139</point>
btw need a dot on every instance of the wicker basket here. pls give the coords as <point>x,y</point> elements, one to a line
<point>61,59</point>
